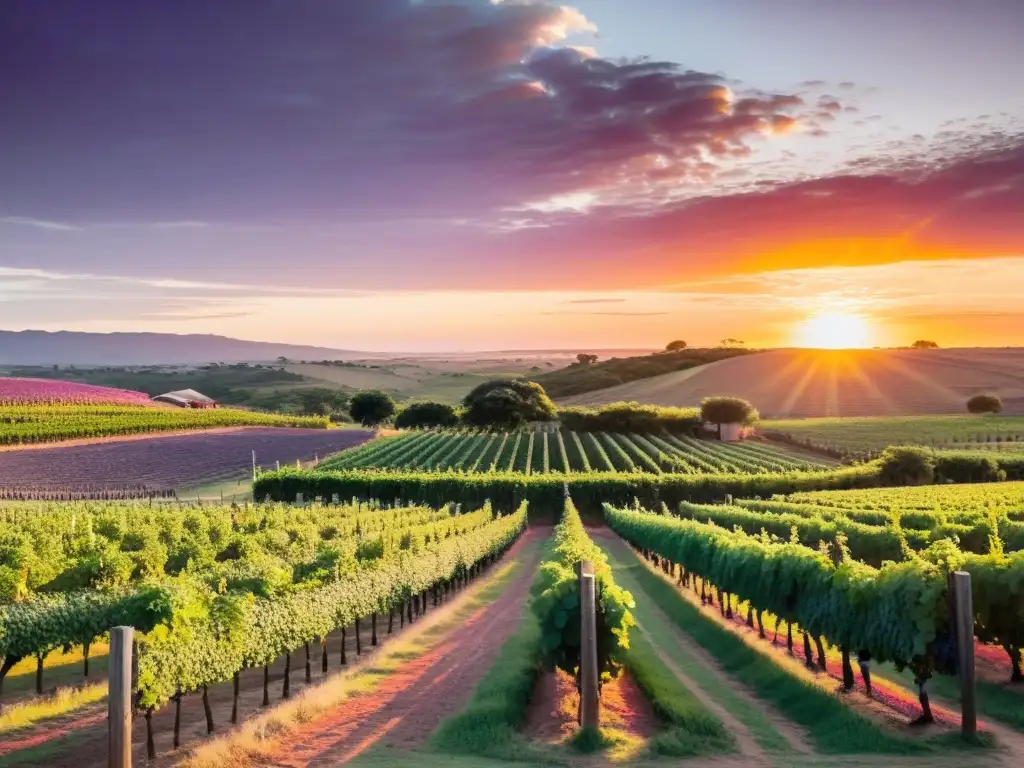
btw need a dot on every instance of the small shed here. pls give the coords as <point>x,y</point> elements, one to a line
<point>187,398</point>
<point>732,433</point>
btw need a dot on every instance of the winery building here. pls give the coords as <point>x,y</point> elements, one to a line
<point>187,398</point>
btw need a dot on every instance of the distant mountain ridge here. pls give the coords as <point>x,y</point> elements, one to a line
<point>80,348</point>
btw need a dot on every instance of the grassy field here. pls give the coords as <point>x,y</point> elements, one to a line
<point>858,436</point>
<point>446,379</point>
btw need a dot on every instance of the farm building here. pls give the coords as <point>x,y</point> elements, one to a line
<point>187,398</point>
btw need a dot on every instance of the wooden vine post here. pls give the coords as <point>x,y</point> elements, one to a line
<point>119,699</point>
<point>965,651</point>
<point>589,694</point>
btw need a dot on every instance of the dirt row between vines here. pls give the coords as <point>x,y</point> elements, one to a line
<point>408,706</point>
<point>436,685</point>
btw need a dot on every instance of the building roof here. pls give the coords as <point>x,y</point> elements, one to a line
<point>185,396</point>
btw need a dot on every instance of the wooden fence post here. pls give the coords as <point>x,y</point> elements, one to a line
<point>589,700</point>
<point>965,651</point>
<point>119,698</point>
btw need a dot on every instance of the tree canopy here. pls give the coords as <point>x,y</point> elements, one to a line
<point>925,344</point>
<point>371,407</point>
<point>584,359</point>
<point>675,346</point>
<point>727,410</point>
<point>907,465</point>
<point>425,415</point>
<point>507,403</point>
<point>985,403</point>
<point>321,401</point>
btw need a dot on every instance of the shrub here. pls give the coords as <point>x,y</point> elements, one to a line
<point>371,408</point>
<point>507,404</point>
<point>506,490</point>
<point>425,415</point>
<point>630,417</point>
<point>985,404</point>
<point>727,410</point>
<point>907,465</point>
<point>975,467</point>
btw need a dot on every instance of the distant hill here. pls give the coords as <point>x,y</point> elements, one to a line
<point>865,382</point>
<point>579,378</point>
<point>75,348</point>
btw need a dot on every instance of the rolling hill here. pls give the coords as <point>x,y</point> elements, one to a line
<point>78,348</point>
<point>795,383</point>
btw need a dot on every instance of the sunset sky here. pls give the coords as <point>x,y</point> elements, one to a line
<point>420,175</point>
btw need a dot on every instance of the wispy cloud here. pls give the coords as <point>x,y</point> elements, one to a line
<point>595,301</point>
<point>609,314</point>
<point>27,221</point>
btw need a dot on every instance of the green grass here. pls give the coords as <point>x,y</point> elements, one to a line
<point>61,669</point>
<point>871,434</point>
<point>64,701</point>
<point>831,726</point>
<point>629,573</point>
<point>692,730</point>
<point>489,725</point>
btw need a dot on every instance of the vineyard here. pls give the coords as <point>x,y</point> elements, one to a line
<point>896,612</point>
<point>239,607</point>
<point>531,452</point>
<point>215,590</point>
<point>27,424</point>
<point>862,437</point>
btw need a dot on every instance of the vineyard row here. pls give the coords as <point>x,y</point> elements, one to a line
<point>539,452</point>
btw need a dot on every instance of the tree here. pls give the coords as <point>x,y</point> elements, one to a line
<point>732,342</point>
<point>371,407</point>
<point>507,403</point>
<point>924,344</point>
<point>584,359</point>
<point>985,403</point>
<point>727,410</point>
<point>425,415</point>
<point>321,401</point>
<point>907,465</point>
<point>675,346</point>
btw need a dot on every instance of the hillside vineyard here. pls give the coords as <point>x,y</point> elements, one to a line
<point>541,452</point>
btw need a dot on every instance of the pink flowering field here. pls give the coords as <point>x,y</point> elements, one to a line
<point>49,392</point>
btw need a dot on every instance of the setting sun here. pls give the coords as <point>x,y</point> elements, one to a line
<point>834,330</point>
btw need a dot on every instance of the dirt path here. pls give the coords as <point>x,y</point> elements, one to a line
<point>410,703</point>
<point>748,746</point>
<point>554,707</point>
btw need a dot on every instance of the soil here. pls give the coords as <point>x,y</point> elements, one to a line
<point>444,695</point>
<point>162,462</point>
<point>552,716</point>
<point>406,707</point>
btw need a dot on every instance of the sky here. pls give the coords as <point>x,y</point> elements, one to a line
<point>418,175</point>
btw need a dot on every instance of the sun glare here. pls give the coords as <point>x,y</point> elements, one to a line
<point>834,330</point>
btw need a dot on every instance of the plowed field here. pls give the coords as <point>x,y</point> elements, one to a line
<point>178,461</point>
<point>864,382</point>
